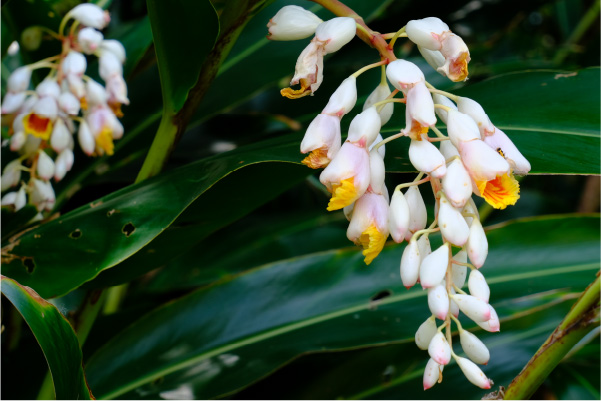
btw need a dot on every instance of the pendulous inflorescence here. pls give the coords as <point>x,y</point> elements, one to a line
<point>42,122</point>
<point>473,158</point>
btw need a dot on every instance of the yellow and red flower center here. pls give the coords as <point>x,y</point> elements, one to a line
<point>501,191</point>
<point>343,194</point>
<point>417,130</point>
<point>458,68</point>
<point>104,140</point>
<point>318,158</point>
<point>38,126</point>
<point>372,242</point>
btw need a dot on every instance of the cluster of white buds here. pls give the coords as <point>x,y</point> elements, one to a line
<point>42,122</point>
<point>474,157</point>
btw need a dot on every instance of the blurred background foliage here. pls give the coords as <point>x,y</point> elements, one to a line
<point>252,290</point>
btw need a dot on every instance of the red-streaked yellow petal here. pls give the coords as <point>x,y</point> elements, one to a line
<point>501,191</point>
<point>37,126</point>
<point>343,194</point>
<point>372,242</point>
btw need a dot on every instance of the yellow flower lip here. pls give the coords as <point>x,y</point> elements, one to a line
<point>104,140</point>
<point>303,91</point>
<point>40,127</point>
<point>318,158</point>
<point>372,241</point>
<point>343,194</point>
<point>500,192</point>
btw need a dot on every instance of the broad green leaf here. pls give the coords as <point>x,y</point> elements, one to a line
<point>237,331</point>
<point>395,371</point>
<point>180,45</point>
<point>56,338</point>
<point>106,232</point>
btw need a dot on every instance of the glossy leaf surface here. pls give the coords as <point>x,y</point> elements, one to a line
<point>224,337</point>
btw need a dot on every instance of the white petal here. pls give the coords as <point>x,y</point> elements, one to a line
<point>500,142</point>
<point>482,162</point>
<point>377,171</point>
<point>417,210</point>
<point>457,184</point>
<point>478,287</point>
<point>426,157</point>
<point>459,272</point>
<point>477,113</point>
<point>109,65</point>
<point>365,126</point>
<point>45,167</point>
<point>452,224</point>
<point>381,149</point>
<point>68,103</point>
<point>403,74</point>
<point>492,325</point>
<point>477,244</point>
<point>292,23</point>
<point>90,15</point>
<point>410,262</point>
<point>19,79</point>
<point>461,127</point>
<point>48,87</point>
<point>324,131</point>
<point>432,373</point>
<point>438,301</point>
<point>115,47</point>
<point>433,57</point>
<point>86,139</point>
<point>343,99</point>
<point>12,102</point>
<point>89,39</point>
<point>398,217</point>
<point>434,267</point>
<point>381,92</point>
<point>425,32</point>
<point>423,243</point>
<point>425,333</point>
<point>473,373</point>
<point>61,137</point>
<point>336,32</point>
<point>439,349</point>
<point>74,64</point>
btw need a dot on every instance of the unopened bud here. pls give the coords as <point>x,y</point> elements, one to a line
<point>432,373</point>
<point>473,373</point>
<point>452,224</point>
<point>343,99</point>
<point>292,23</point>
<point>90,15</point>
<point>473,347</point>
<point>425,333</point>
<point>410,262</point>
<point>434,267</point>
<point>438,301</point>
<point>336,32</point>
<point>439,349</point>
<point>474,308</point>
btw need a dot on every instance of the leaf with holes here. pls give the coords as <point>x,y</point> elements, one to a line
<point>56,338</point>
<point>234,332</point>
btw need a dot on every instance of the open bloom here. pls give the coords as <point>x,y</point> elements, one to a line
<point>369,224</point>
<point>419,112</point>
<point>322,140</point>
<point>347,176</point>
<point>330,36</point>
<point>292,23</point>
<point>39,122</point>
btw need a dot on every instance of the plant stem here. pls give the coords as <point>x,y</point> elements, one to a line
<point>577,323</point>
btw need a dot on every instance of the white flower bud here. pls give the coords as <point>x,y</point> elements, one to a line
<point>117,90</point>
<point>445,101</point>
<point>343,99</point>
<point>366,126</point>
<point>68,103</point>
<point>381,92</point>
<point>48,87</point>
<point>492,325</point>
<point>461,128</point>
<point>425,32</point>
<point>292,23</point>
<point>439,349</point>
<point>470,207</point>
<point>348,211</point>
<point>61,137</point>
<point>115,47</point>
<point>18,199</point>
<point>45,167</point>
<point>74,64</point>
<point>481,161</point>
<point>473,373</point>
<point>109,65</point>
<point>42,195</point>
<point>95,93</point>
<point>452,224</point>
<point>17,140</point>
<point>474,348</point>
<point>425,157</point>
<point>404,75</point>
<point>381,149</point>
<point>18,81</point>
<point>474,308</point>
<point>434,267</point>
<point>410,262</point>
<point>90,15</point>
<point>433,57</point>
<point>438,301</point>
<point>477,244</point>
<point>336,32</point>
<point>459,272</point>
<point>425,333</point>
<point>11,174</point>
<point>432,373</point>
<point>457,184</point>
<point>12,102</point>
<point>454,308</point>
<point>76,86</point>
<point>398,217</point>
<point>476,112</point>
<point>423,243</point>
<point>377,172</point>
<point>64,162</point>
<point>417,211</point>
<point>89,39</point>
<point>500,142</point>
<point>419,113</point>
<point>86,139</point>
<point>478,287</point>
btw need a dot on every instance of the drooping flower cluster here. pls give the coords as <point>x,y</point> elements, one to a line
<point>42,122</point>
<point>475,157</point>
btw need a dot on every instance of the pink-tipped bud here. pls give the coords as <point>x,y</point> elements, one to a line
<point>425,333</point>
<point>410,262</point>
<point>452,224</point>
<point>343,99</point>
<point>109,66</point>
<point>454,308</point>
<point>434,267</point>
<point>478,287</point>
<point>439,349</point>
<point>457,184</point>
<point>365,125</point>
<point>426,157</point>
<point>68,103</point>
<point>86,139</point>
<point>473,373</point>
<point>473,347</point>
<point>74,64</point>
<point>404,75</point>
<point>292,23</point>
<point>477,244</point>
<point>438,301</point>
<point>398,217</point>
<point>115,47</point>
<point>336,33</point>
<point>11,174</point>
<point>432,373</point>
<point>17,140</point>
<point>64,162</point>
<point>423,243</point>
<point>19,79</point>
<point>45,166</point>
<point>12,102</point>
<point>492,325</point>
<point>417,211</point>
<point>89,39</point>
<point>90,15</point>
<point>474,308</point>
<point>381,92</point>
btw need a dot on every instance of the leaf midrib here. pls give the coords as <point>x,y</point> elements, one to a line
<point>318,319</point>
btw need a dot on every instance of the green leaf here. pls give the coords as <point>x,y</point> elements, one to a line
<point>130,219</point>
<point>136,37</point>
<point>180,46</point>
<point>56,338</point>
<point>234,332</point>
<point>548,114</point>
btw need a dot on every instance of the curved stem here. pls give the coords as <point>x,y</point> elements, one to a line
<point>579,321</point>
<point>409,184</point>
<point>438,133</point>
<point>368,67</point>
<point>442,106</point>
<point>446,94</point>
<point>396,36</point>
